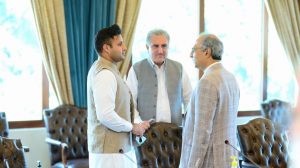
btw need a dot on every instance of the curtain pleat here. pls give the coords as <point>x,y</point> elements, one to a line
<point>286,17</point>
<point>127,15</point>
<point>50,21</point>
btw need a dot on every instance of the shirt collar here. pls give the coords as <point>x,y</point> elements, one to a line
<point>112,65</point>
<point>211,66</point>
<point>154,65</point>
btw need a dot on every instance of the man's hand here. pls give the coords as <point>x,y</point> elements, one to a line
<point>138,129</point>
<point>145,124</point>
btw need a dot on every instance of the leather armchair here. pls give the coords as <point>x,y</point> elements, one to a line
<point>11,150</point>
<point>2,162</point>
<point>12,153</point>
<point>279,112</point>
<point>263,143</point>
<point>162,147</point>
<point>66,128</point>
<point>4,129</point>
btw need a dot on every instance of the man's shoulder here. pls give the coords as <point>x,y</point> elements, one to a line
<point>140,64</point>
<point>173,63</point>
<point>95,68</point>
<point>99,67</point>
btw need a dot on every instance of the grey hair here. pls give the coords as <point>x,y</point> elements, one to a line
<point>156,32</point>
<point>215,44</point>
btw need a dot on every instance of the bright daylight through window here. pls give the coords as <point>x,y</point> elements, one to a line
<point>20,62</point>
<point>239,25</point>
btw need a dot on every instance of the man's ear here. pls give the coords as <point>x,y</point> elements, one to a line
<point>106,48</point>
<point>208,51</point>
<point>147,47</point>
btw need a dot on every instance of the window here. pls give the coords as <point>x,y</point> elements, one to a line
<point>240,26</point>
<point>279,86</point>
<point>21,71</point>
<point>180,19</point>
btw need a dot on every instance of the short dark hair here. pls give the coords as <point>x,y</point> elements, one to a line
<point>105,35</point>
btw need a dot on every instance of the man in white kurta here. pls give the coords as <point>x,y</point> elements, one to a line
<point>110,106</point>
<point>160,86</point>
<point>106,114</point>
<point>212,112</point>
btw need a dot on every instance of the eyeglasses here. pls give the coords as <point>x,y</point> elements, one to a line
<point>193,50</point>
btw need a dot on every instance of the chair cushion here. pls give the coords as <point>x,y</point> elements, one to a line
<point>2,163</point>
<point>279,112</point>
<point>3,125</point>
<point>13,152</point>
<point>263,143</point>
<point>68,124</point>
<point>162,147</point>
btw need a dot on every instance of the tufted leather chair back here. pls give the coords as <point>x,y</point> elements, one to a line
<point>263,143</point>
<point>68,124</point>
<point>279,112</point>
<point>11,153</point>
<point>2,163</point>
<point>4,129</point>
<point>162,147</point>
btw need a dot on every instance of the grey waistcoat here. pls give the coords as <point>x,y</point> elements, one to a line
<point>147,89</point>
<point>100,138</point>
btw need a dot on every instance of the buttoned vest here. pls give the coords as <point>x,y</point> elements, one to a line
<point>100,138</point>
<point>147,89</point>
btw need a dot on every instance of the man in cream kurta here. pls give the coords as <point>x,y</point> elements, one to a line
<point>110,106</point>
<point>212,112</point>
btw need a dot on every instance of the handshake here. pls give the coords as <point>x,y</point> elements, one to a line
<point>139,129</point>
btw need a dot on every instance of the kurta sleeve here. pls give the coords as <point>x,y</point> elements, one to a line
<point>105,88</point>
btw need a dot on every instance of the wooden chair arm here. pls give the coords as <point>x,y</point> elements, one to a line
<point>63,146</point>
<point>26,148</point>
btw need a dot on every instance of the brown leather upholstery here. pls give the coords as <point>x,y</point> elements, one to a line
<point>278,112</point>
<point>3,125</point>
<point>11,153</point>
<point>66,128</point>
<point>162,147</point>
<point>2,162</point>
<point>263,143</point>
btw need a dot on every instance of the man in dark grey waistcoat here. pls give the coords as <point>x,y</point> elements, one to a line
<point>160,87</point>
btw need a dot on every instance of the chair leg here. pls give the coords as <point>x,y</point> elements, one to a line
<point>240,163</point>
